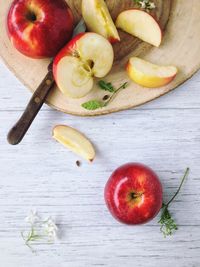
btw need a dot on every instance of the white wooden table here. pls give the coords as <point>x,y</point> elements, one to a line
<point>41,174</point>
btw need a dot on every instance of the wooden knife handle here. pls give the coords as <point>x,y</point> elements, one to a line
<point>17,133</point>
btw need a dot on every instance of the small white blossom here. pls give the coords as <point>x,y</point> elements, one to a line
<point>152,5</point>
<point>143,4</point>
<point>32,218</point>
<point>147,4</point>
<point>50,228</point>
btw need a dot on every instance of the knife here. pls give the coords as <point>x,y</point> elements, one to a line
<point>18,131</point>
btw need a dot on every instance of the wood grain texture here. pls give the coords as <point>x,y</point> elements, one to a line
<point>42,174</point>
<point>32,72</point>
<point>176,49</point>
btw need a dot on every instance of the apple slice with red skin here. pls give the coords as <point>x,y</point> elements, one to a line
<point>86,56</point>
<point>150,75</point>
<point>133,194</point>
<point>39,28</point>
<point>98,19</point>
<point>140,24</point>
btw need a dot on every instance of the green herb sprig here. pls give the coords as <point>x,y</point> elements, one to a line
<point>168,224</point>
<point>105,86</point>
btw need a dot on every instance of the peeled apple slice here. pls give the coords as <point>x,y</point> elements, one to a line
<point>74,141</point>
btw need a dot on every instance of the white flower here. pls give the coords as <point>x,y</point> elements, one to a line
<point>32,218</point>
<point>50,228</point>
<point>152,5</point>
<point>143,4</point>
<point>147,4</point>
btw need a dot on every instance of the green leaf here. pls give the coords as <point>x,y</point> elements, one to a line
<point>106,86</point>
<point>92,105</point>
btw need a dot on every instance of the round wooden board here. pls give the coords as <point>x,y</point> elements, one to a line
<point>180,47</point>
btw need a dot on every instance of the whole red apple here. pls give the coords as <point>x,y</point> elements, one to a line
<point>39,28</point>
<point>133,194</point>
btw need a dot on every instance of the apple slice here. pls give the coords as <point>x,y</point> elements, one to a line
<point>150,75</point>
<point>74,141</point>
<point>98,19</point>
<point>86,56</point>
<point>140,24</point>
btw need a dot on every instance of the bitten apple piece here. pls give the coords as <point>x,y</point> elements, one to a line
<point>98,19</point>
<point>140,24</point>
<point>150,75</point>
<point>74,141</point>
<point>86,56</point>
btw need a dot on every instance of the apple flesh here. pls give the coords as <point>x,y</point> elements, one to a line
<point>150,75</point>
<point>39,28</point>
<point>74,141</point>
<point>140,24</point>
<point>133,194</point>
<point>98,19</point>
<point>86,56</point>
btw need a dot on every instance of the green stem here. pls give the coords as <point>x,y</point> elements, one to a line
<point>180,186</point>
<point>123,86</point>
<point>168,224</point>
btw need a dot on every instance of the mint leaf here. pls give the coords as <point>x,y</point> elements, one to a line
<point>92,105</point>
<point>96,104</point>
<point>106,86</point>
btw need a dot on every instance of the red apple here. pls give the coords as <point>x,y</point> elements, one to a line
<point>133,194</point>
<point>85,57</point>
<point>39,28</point>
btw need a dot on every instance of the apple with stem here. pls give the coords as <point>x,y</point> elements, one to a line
<point>140,24</point>
<point>86,56</point>
<point>133,194</point>
<point>39,28</point>
<point>98,19</point>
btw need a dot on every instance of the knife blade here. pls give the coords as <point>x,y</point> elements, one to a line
<point>19,130</point>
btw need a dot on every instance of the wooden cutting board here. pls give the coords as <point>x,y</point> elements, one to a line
<point>180,47</point>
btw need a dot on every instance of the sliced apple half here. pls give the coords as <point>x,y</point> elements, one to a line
<point>74,141</point>
<point>140,24</point>
<point>98,19</point>
<point>86,56</point>
<point>150,75</point>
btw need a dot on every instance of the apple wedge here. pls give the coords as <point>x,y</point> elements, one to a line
<point>74,141</point>
<point>98,19</point>
<point>150,75</point>
<point>86,56</point>
<point>140,24</point>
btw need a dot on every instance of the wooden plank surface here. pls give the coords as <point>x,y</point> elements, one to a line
<point>41,174</point>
